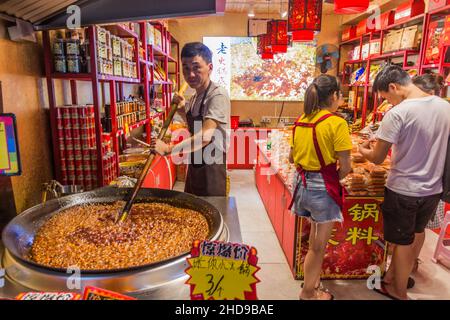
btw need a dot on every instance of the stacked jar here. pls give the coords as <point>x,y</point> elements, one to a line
<point>70,56</point>
<point>104,52</point>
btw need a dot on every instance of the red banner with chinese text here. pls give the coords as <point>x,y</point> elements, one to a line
<point>355,244</point>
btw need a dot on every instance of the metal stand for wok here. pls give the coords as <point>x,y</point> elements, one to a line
<point>164,281</point>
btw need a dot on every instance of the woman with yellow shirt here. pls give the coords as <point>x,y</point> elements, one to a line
<point>320,141</point>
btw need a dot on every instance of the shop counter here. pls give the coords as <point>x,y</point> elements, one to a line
<point>355,245</point>
<point>242,152</point>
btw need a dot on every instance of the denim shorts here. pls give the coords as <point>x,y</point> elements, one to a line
<point>314,202</point>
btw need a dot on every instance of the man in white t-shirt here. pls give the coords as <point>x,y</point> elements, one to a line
<point>418,129</point>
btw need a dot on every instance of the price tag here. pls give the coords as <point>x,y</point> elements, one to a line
<point>48,296</point>
<point>222,271</point>
<point>93,293</point>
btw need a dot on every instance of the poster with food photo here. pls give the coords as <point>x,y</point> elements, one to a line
<point>283,78</point>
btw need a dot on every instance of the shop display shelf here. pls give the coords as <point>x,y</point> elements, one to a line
<point>72,76</point>
<point>105,77</point>
<point>395,54</point>
<point>358,39</point>
<point>171,59</point>
<point>411,67</point>
<point>355,61</point>
<point>148,63</point>
<point>440,11</point>
<point>88,77</point>
<point>121,31</point>
<point>157,50</point>
<point>404,24</point>
<point>133,126</point>
<point>158,82</point>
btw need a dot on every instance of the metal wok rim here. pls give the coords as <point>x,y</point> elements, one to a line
<point>141,198</point>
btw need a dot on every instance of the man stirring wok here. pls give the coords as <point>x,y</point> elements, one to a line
<point>207,115</point>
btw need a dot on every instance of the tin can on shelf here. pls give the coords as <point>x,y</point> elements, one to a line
<point>60,64</point>
<point>73,64</point>
<point>72,47</point>
<point>58,47</point>
<point>101,35</point>
<point>117,67</point>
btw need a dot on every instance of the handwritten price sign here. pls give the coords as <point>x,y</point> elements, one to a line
<point>222,271</point>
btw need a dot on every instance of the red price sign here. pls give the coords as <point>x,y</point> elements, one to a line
<point>222,271</point>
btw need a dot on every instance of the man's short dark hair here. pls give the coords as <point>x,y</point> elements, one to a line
<point>390,74</point>
<point>194,49</point>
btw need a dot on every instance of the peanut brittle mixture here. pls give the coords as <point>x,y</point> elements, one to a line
<point>87,237</point>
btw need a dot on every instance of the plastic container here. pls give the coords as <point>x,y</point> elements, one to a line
<point>234,122</point>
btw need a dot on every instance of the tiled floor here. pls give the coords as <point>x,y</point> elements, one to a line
<point>277,282</point>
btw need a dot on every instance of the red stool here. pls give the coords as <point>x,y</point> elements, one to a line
<point>443,245</point>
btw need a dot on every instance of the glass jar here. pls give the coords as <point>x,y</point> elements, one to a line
<point>73,64</point>
<point>73,47</point>
<point>60,64</point>
<point>58,47</point>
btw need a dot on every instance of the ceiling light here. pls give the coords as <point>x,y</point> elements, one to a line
<point>284,14</point>
<point>251,15</point>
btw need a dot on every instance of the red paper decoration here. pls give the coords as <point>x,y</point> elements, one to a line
<point>305,17</point>
<point>264,47</point>
<point>350,6</point>
<point>279,39</point>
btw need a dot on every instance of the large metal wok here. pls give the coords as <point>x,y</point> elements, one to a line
<point>18,237</point>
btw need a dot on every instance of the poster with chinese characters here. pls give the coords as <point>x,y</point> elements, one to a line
<point>221,50</point>
<point>354,246</point>
<point>246,76</point>
<point>222,271</point>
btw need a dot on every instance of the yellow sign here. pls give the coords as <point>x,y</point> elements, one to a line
<point>4,155</point>
<point>222,271</point>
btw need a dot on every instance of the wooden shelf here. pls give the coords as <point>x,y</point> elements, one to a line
<point>104,77</point>
<point>441,11</point>
<point>120,31</point>
<point>150,64</point>
<point>88,77</point>
<point>395,54</point>
<point>72,76</point>
<point>410,22</point>
<point>133,126</point>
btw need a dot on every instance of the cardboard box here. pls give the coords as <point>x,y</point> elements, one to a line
<point>356,53</point>
<point>365,51</point>
<point>393,41</point>
<point>375,47</point>
<point>410,38</point>
<point>446,32</point>
<point>386,19</point>
<point>436,4</point>
<point>363,27</point>
<point>349,33</point>
<point>409,10</point>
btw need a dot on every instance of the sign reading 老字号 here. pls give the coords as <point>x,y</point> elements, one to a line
<point>222,271</point>
<point>9,150</point>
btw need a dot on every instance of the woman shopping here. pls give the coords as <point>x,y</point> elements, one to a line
<point>320,149</point>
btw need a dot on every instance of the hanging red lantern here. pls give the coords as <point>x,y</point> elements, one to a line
<point>277,31</point>
<point>350,6</point>
<point>305,17</point>
<point>264,48</point>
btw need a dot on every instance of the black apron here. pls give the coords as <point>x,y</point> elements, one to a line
<point>204,179</point>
